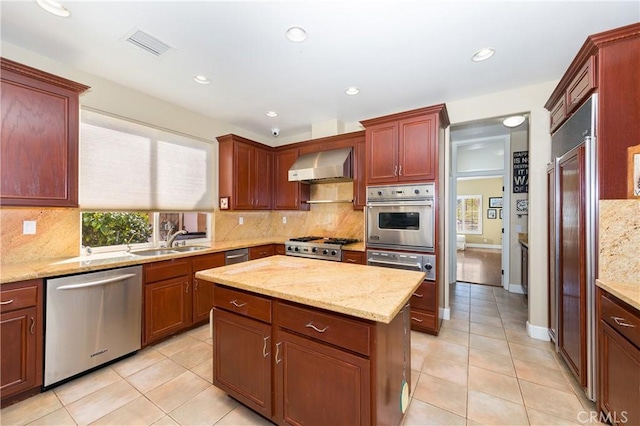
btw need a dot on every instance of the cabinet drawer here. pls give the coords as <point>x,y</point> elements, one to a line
<point>582,84</point>
<point>356,257</point>
<point>242,303</point>
<point>208,261</point>
<point>18,298</point>
<point>167,269</point>
<point>261,251</point>
<point>558,114</point>
<point>424,297</point>
<point>422,320</point>
<point>623,320</point>
<point>333,329</point>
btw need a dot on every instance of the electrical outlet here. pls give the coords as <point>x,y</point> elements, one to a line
<point>241,220</point>
<point>29,227</point>
<point>284,219</point>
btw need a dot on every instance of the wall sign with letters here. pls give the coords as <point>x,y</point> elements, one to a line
<point>521,172</point>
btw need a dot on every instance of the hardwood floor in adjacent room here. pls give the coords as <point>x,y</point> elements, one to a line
<point>479,266</point>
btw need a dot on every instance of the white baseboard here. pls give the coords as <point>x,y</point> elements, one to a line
<point>487,246</point>
<point>537,332</point>
<point>445,313</point>
<point>515,288</point>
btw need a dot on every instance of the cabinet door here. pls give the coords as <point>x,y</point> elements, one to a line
<point>203,290</point>
<point>243,189</point>
<point>262,179</point>
<point>316,384</point>
<point>39,144</point>
<point>357,257</point>
<point>242,359</point>
<point>20,331</point>
<point>167,307</point>
<point>359,175</point>
<point>571,269</point>
<point>417,148</point>
<point>259,252</point>
<point>287,194</point>
<point>382,153</point>
<point>619,381</point>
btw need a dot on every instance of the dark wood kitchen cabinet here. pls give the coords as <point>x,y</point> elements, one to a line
<point>258,252</point>
<point>424,308</point>
<point>203,291</point>
<point>245,173</point>
<point>40,121</point>
<point>288,195</point>
<point>352,256</point>
<point>21,328</point>
<point>242,347</point>
<point>618,360</point>
<point>404,147</point>
<point>167,298</point>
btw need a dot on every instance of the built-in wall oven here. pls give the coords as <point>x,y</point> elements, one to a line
<point>401,217</point>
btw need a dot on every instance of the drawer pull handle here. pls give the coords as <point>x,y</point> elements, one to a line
<point>195,285</point>
<point>400,170</point>
<point>418,295</point>
<point>278,361</point>
<point>416,319</point>
<point>187,288</point>
<point>622,322</point>
<point>8,302</point>
<point>351,260</point>
<point>236,304</point>
<point>310,325</point>
<point>395,171</point>
<point>33,324</point>
<point>264,347</point>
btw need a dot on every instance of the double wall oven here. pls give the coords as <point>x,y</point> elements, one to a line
<point>400,227</point>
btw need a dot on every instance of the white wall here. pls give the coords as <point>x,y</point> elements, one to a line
<point>525,99</point>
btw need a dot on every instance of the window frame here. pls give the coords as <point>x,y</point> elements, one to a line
<point>477,197</point>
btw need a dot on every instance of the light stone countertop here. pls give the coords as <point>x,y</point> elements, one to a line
<point>14,272</point>
<point>627,292</point>
<point>367,292</point>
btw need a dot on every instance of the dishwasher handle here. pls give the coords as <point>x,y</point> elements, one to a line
<point>97,282</point>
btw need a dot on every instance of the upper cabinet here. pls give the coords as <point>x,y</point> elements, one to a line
<point>40,119</point>
<point>404,147</point>
<point>288,195</point>
<point>246,173</point>
<point>607,64</point>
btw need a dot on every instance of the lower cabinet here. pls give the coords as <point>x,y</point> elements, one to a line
<point>259,252</point>
<point>424,308</point>
<point>242,359</point>
<point>297,364</point>
<point>618,361</point>
<point>351,256</point>
<point>524,268</point>
<point>203,291</point>
<point>21,328</point>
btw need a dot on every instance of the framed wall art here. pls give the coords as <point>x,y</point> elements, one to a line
<point>491,213</point>
<point>495,202</point>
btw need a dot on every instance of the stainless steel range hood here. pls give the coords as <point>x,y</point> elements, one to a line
<point>324,166</point>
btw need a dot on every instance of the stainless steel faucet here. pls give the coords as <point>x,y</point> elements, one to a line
<point>172,237</point>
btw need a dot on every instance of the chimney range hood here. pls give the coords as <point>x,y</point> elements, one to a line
<point>323,166</point>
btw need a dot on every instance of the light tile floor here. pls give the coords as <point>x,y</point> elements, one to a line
<point>481,370</point>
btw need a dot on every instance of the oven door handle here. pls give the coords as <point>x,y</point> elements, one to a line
<point>428,203</point>
<point>417,266</point>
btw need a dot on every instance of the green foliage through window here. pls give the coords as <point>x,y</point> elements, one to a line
<point>113,228</point>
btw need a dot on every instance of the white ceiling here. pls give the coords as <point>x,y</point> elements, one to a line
<point>401,54</point>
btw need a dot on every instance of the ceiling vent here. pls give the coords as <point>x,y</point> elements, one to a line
<point>148,43</point>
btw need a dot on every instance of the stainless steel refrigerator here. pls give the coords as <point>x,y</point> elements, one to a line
<point>573,243</point>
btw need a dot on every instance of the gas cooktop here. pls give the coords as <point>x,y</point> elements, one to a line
<point>317,247</point>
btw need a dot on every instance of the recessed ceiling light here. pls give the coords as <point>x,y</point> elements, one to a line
<point>54,7</point>
<point>201,79</point>
<point>352,91</point>
<point>483,54</point>
<point>514,121</point>
<point>296,34</point>
<point>272,114</point>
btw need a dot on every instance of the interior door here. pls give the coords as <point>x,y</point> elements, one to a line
<point>571,268</point>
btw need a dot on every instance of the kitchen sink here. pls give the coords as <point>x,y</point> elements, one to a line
<point>154,252</point>
<point>189,248</point>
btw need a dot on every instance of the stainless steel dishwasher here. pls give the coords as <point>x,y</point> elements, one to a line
<point>236,256</point>
<point>91,319</point>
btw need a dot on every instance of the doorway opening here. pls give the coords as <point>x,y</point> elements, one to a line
<point>483,196</point>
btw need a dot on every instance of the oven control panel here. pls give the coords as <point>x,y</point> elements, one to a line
<point>402,260</point>
<point>400,192</point>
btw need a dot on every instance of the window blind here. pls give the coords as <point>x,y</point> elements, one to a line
<point>130,166</point>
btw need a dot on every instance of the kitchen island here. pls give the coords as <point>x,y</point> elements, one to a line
<point>304,341</point>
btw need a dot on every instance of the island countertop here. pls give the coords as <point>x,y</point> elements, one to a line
<point>367,292</point>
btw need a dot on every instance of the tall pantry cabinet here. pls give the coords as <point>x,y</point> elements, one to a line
<point>607,65</point>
